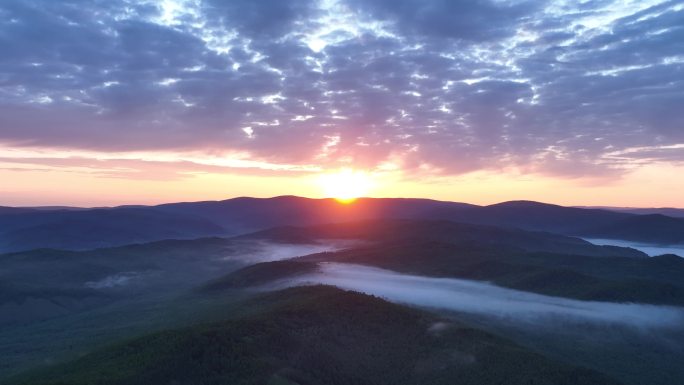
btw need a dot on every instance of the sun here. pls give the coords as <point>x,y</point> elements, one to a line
<point>346,185</point>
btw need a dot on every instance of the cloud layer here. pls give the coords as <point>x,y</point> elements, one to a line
<point>556,87</point>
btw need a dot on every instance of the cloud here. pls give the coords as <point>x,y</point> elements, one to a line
<point>167,166</point>
<point>551,87</point>
<point>259,19</point>
<point>470,20</point>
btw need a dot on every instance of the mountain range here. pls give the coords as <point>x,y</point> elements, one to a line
<point>520,302</point>
<point>26,228</point>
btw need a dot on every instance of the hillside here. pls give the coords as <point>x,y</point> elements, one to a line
<point>650,228</point>
<point>655,280</point>
<point>44,283</point>
<point>442,231</point>
<point>63,304</point>
<point>259,274</point>
<point>317,335</point>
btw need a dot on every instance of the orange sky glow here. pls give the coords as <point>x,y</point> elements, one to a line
<point>146,102</point>
<point>79,182</point>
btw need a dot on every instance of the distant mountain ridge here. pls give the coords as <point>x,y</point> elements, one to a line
<point>650,228</point>
<point>93,228</point>
<point>26,228</point>
<point>668,211</point>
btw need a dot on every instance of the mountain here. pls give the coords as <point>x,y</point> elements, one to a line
<point>614,279</point>
<point>655,280</point>
<point>406,231</point>
<point>317,335</point>
<point>14,210</point>
<point>196,311</point>
<point>241,215</point>
<point>651,228</point>
<point>42,284</point>
<point>259,274</point>
<point>537,216</point>
<point>668,211</point>
<point>530,261</point>
<point>87,229</point>
<point>23,229</point>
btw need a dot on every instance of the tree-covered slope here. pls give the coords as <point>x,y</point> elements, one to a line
<point>317,335</point>
<point>444,231</point>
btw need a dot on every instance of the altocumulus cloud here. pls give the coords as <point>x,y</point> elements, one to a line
<point>558,87</point>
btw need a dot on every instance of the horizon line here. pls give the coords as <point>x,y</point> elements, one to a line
<point>599,207</point>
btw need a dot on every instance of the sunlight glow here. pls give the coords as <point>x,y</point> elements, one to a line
<point>346,185</point>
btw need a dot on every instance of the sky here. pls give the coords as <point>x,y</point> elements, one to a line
<point>107,102</point>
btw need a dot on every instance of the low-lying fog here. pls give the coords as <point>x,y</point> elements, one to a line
<point>634,343</point>
<point>115,280</point>
<point>648,248</point>
<point>187,270</point>
<point>486,299</point>
<point>262,251</point>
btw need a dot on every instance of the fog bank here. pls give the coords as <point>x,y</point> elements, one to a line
<point>486,299</point>
<point>115,280</point>
<point>253,252</point>
<point>648,248</point>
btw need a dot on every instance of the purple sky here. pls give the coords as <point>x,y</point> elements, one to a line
<point>564,89</point>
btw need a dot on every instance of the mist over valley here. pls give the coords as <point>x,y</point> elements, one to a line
<point>341,192</point>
